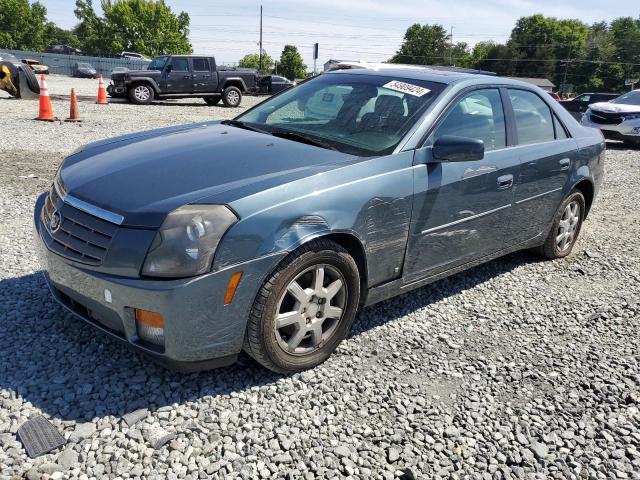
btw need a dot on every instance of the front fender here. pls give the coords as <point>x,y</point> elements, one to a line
<point>370,200</point>
<point>150,80</point>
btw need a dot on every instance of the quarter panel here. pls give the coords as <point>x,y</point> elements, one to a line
<point>368,198</point>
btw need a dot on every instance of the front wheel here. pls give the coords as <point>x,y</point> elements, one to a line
<point>232,96</point>
<point>141,94</point>
<point>304,309</point>
<point>566,227</point>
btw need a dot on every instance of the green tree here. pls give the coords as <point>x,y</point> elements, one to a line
<point>91,29</point>
<point>252,60</point>
<point>22,25</point>
<point>144,26</point>
<point>291,64</point>
<point>430,45</point>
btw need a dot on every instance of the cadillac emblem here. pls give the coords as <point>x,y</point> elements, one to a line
<point>55,222</point>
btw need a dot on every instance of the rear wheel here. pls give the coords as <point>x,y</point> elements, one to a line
<point>212,101</point>
<point>304,309</point>
<point>566,227</point>
<point>232,97</point>
<point>141,94</point>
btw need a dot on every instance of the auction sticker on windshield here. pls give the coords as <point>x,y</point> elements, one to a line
<point>403,87</point>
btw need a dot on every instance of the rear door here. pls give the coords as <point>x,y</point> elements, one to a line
<point>462,210</point>
<point>177,78</point>
<point>546,154</point>
<point>204,80</point>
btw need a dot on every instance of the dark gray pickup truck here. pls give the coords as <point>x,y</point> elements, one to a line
<point>183,76</point>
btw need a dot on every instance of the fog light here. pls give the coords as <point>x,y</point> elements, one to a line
<point>150,326</point>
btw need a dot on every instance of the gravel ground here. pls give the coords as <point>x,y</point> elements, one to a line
<point>515,369</point>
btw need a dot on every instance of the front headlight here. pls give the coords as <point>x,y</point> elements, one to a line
<point>187,241</point>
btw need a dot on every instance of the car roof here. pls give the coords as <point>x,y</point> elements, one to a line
<point>431,74</point>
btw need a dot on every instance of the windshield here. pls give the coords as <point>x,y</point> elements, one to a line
<point>363,115</point>
<point>84,65</point>
<point>630,98</point>
<point>158,63</point>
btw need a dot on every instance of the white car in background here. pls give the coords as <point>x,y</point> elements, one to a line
<point>618,119</point>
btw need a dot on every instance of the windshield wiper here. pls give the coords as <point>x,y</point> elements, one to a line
<point>246,126</point>
<point>299,137</point>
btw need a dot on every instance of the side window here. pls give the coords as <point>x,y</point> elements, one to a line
<point>180,64</point>
<point>200,65</point>
<point>561,133</point>
<point>534,123</point>
<point>479,115</point>
<point>584,98</point>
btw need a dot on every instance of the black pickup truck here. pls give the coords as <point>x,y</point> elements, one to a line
<point>183,76</point>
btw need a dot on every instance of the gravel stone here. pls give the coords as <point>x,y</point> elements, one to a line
<point>135,416</point>
<point>518,368</point>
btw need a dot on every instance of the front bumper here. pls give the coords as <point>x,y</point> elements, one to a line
<point>628,131</point>
<point>200,332</point>
<point>116,91</point>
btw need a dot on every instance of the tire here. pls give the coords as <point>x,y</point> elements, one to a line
<point>141,94</point>
<point>553,247</point>
<point>32,80</point>
<point>268,345</point>
<point>232,97</point>
<point>212,101</point>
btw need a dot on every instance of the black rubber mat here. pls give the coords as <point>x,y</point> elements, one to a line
<point>39,436</point>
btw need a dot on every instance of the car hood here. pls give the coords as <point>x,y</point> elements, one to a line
<point>614,107</point>
<point>146,175</point>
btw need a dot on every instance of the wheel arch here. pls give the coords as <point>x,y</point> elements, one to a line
<point>586,187</point>
<point>234,82</point>
<point>352,244</point>
<point>150,81</point>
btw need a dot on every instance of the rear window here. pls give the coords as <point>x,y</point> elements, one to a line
<point>534,123</point>
<point>200,65</point>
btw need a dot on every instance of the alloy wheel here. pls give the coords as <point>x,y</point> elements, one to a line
<point>310,309</point>
<point>232,97</point>
<point>141,93</point>
<point>568,226</point>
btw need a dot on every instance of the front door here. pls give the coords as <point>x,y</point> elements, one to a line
<point>177,76</point>
<point>462,210</point>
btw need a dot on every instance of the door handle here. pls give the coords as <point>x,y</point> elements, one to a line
<point>505,181</point>
<point>187,76</point>
<point>565,163</point>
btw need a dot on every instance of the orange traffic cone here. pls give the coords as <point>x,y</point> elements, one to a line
<point>102,93</point>
<point>46,112</point>
<point>74,116</point>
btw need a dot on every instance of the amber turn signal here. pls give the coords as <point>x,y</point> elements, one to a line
<point>153,319</point>
<point>231,287</point>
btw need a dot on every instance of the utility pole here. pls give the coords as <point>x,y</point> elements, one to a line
<point>260,38</point>
<point>451,47</point>
<point>566,65</point>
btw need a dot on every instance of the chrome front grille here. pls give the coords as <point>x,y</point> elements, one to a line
<point>78,236</point>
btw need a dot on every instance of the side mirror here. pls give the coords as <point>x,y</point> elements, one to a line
<point>168,69</point>
<point>450,148</point>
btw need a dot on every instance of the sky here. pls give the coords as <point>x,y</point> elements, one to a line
<point>370,30</point>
